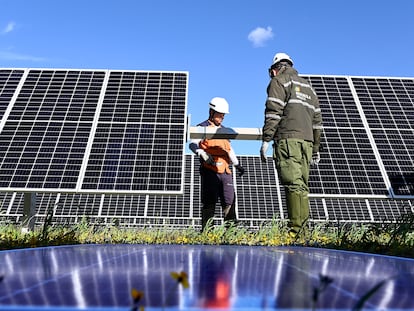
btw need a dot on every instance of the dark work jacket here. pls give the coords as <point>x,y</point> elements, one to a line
<point>292,109</point>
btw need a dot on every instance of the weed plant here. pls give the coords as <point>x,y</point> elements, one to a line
<point>395,239</point>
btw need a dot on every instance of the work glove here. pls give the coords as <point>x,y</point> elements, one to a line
<point>263,150</point>
<point>316,157</point>
<point>240,170</point>
<point>205,157</point>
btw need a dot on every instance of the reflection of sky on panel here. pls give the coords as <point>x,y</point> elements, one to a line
<point>226,277</point>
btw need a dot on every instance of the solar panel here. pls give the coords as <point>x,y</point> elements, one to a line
<point>388,105</point>
<point>93,131</point>
<point>348,166</point>
<point>258,191</point>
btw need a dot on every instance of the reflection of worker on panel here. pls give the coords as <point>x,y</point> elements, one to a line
<point>217,270</point>
<point>216,156</point>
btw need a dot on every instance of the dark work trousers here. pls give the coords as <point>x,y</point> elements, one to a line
<point>215,186</point>
<point>292,158</point>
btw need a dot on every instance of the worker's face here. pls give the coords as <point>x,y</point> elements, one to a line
<point>217,118</point>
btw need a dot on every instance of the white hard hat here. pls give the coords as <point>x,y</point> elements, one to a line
<point>281,56</point>
<point>219,104</point>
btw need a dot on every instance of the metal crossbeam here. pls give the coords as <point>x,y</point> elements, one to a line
<point>202,132</point>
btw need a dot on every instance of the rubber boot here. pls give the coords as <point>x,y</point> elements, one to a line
<point>304,215</point>
<point>293,202</point>
<point>207,213</point>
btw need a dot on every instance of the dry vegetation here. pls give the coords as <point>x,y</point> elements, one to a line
<point>396,239</point>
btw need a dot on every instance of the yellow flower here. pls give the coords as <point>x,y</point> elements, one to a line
<point>136,295</point>
<point>181,277</point>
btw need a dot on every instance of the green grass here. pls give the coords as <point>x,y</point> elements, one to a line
<point>395,239</point>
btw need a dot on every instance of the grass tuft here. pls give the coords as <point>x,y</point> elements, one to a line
<point>391,239</point>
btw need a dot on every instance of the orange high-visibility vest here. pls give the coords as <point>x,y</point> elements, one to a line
<point>219,149</point>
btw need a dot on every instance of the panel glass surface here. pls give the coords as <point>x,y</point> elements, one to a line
<point>388,105</point>
<point>138,145</point>
<point>257,190</point>
<point>384,211</point>
<point>44,138</point>
<point>138,131</point>
<point>9,80</point>
<point>348,164</point>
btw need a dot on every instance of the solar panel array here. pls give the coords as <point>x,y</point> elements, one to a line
<point>260,199</point>
<point>92,130</point>
<point>109,145</point>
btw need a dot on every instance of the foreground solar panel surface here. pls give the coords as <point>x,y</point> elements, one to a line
<point>92,277</point>
<point>92,130</point>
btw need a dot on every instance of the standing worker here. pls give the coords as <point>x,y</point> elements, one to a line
<point>293,121</point>
<point>216,155</point>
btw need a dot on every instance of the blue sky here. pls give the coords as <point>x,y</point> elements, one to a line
<point>225,45</point>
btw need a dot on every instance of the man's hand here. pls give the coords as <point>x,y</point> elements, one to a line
<point>263,150</point>
<point>240,169</point>
<point>205,157</point>
<point>316,157</point>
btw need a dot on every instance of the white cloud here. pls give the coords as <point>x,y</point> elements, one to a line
<point>9,27</point>
<point>260,35</point>
<point>7,55</point>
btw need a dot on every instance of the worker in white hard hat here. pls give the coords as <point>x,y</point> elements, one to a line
<point>293,121</point>
<point>216,156</point>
